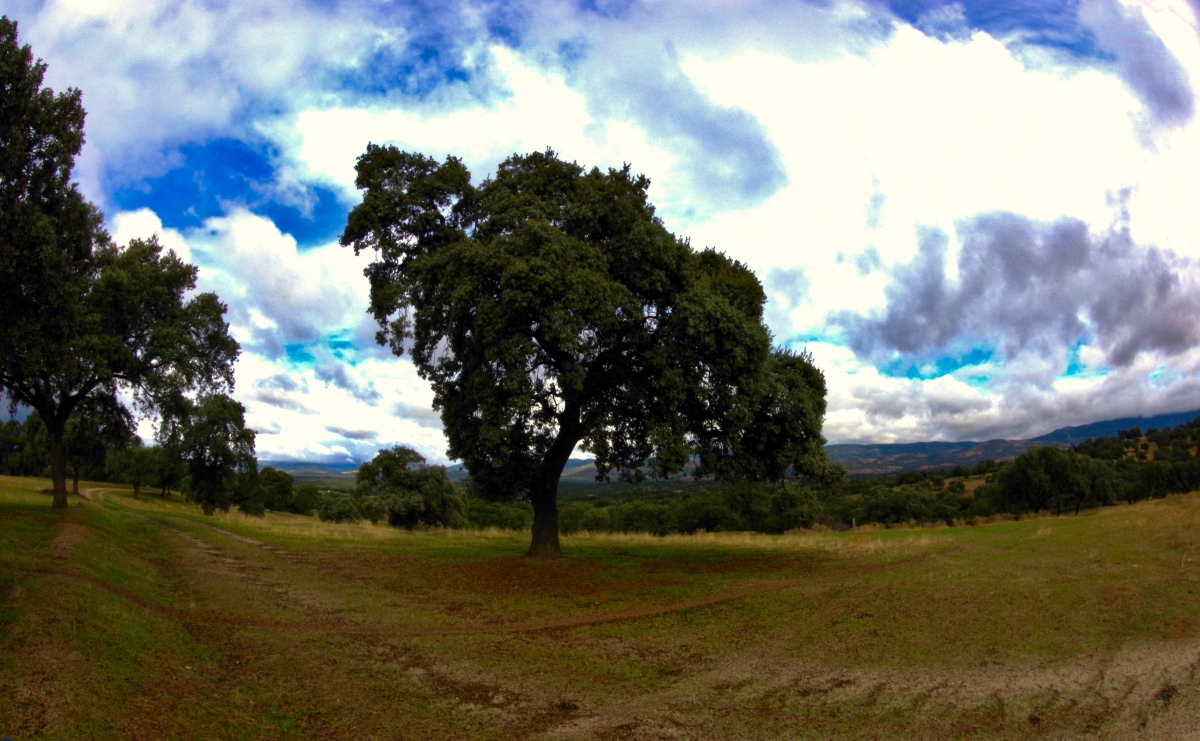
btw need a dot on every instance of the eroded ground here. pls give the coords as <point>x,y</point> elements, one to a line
<point>144,620</point>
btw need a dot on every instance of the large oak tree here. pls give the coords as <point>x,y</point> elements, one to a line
<point>81,315</point>
<point>549,307</point>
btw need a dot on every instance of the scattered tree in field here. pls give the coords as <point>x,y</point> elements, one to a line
<point>305,499</point>
<point>26,447</point>
<point>136,465</point>
<point>1052,479</point>
<point>219,452</point>
<point>277,489</point>
<point>80,314</point>
<point>550,307</point>
<point>407,491</point>
<point>100,423</point>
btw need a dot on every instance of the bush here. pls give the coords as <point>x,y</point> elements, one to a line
<point>481,514</point>
<point>596,520</point>
<point>642,517</point>
<point>707,511</point>
<point>905,504</point>
<point>335,507</point>
<point>570,515</point>
<point>372,508</point>
<point>411,492</point>
<point>305,498</point>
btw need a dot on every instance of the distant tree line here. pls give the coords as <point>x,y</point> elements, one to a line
<point>204,450</point>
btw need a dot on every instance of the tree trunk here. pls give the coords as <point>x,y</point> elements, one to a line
<point>545,521</point>
<point>208,509</point>
<point>75,480</point>
<point>58,465</point>
<point>136,487</point>
<point>544,495</point>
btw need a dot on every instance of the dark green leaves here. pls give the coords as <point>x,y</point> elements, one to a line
<point>550,307</point>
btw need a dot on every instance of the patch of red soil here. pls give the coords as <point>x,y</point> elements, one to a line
<point>520,576</point>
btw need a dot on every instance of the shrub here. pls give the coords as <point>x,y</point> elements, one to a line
<point>570,515</point>
<point>596,520</point>
<point>335,507</point>
<point>707,511</point>
<point>372,508</point>
<point>481,514</point>
<point>305,499</point>
<point>642,517</point>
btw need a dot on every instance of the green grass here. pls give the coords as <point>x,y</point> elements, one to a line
<point>123,618</point>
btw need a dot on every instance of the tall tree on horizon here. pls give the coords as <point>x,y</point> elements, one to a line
<point>81,315</point>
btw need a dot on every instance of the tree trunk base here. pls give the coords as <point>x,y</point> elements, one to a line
<point>545,539</point>
<point>208,510</point>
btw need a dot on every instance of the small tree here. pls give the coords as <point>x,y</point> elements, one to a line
<point>277,489</point>
<point>100,424</point>
<point>27,449</point>
<point>135,465</point>
<point>411,492</point>
<point>81,314</point>
<point>219,452</point>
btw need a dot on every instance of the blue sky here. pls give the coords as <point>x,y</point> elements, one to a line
<point>976,215</point>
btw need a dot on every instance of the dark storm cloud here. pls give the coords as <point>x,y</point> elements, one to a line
<point>353,434</point>
<point>335,373</point>
<point>1031,286</point>
<point>280,391</point>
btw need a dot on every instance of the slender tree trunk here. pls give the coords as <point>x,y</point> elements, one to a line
<point>208,509</point>
<point>58,465</point>
<point>75,480</point>
<point>136,487</point>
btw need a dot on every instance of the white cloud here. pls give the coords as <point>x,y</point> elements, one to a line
<point>878,130</point>
<point>315,299</point>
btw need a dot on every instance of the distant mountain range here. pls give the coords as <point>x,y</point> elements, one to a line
<point>859,460</point>
<point>882,460</point>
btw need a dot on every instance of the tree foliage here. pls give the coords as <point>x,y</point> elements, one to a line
<point>397,485</point>
<point>100,424</point>
<point>219,453</point>
<point>136,465</point>
<point>550,307</point>
<point>81,315</point>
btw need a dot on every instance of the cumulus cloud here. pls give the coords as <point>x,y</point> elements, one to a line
<point>1022,398</point>
<point>1026,285</point>
<point>278,295</point>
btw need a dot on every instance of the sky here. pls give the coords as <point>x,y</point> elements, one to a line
<point>977,216</point>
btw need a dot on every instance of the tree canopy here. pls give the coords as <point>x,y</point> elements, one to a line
<point>550,307</point>
<point>82,315</point>
<point>219,452</point>
<point>399,485</point>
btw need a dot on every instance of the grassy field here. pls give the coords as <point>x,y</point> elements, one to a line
<point>128,619</point>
